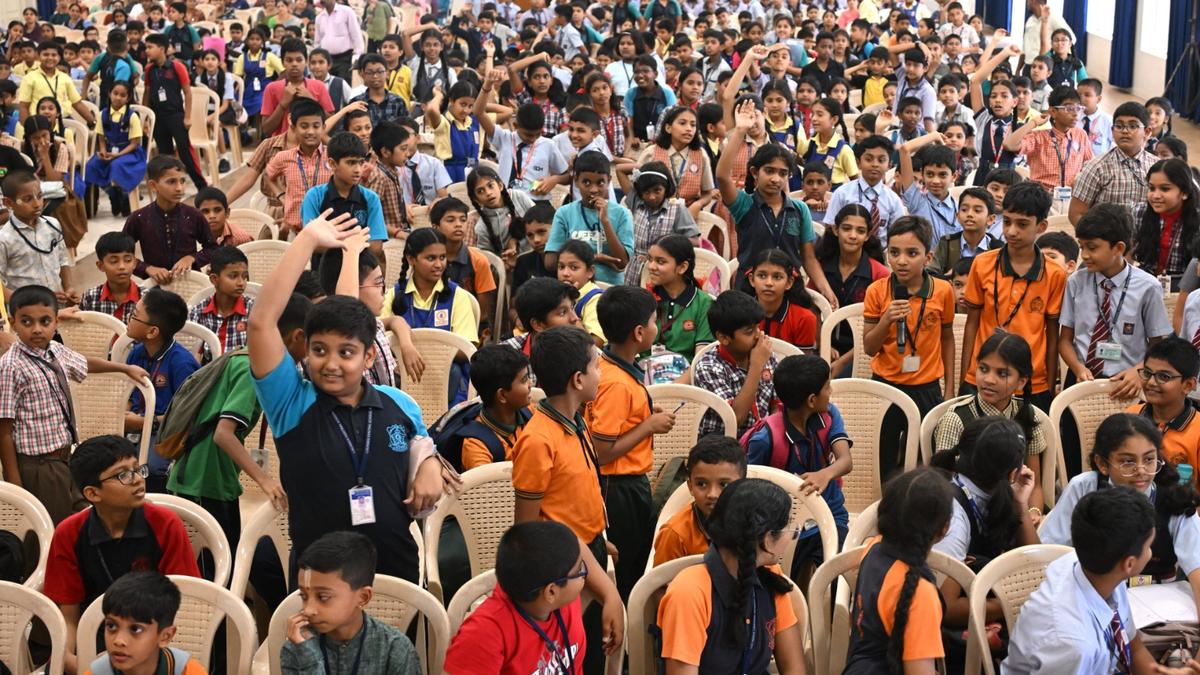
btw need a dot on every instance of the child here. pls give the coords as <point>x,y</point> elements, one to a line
<point>381,104</point>
<point>910,127</point>
<point>1160,111</point>
<point>891,629</point>
<point>500,375</point>
<point>750,531</point>
<point>1055,155</point>
<point>678,148</point>
<point>319,62</point>
<point>595,219</point>
<point>425,297</point>
<point>181,36</point>
<point>209,73</point>
<point>531,264</point>
<point>996,123</point>
<point>874,156</point>
<point>118,295</point>
<point>465,265</point>
<point>119,164</point>
<point>1096,123</point>
<point>429,69</point>
<point>139,616</point>
<point>787,306</point>
<point>295,170</point>
<point>51,159</point>
<point>164,260</point>
<point>225,313</point>
<point>168,94</point>
<point>1169,214</point>
<point>1039,85</point>
<point>995,301</point>
<point>258,67</point>
<point>939,169</point>
<point>915,86</point>
<point>32,249</point>
<point>646,101</point>
<point>827,146</point>
<point>532,618</point>
<point>682,306</point>
<point>712,465</point>
<point>1167,384</point>
<point>958,277</point>
<point>114,65</point>
<point>542,303</point>
<point>950,106</point>
<point>997,183</point>
<point>1102,334</point>
<point>955,135</point>
<point>816,189</point>
<point>975,209</point>
<point>1060,248</point>
<point>501,226</point>
<point>532,80</point>
<point>1119,176</point>
<point>523,159</point>
<point>613,120</point>
<point>279,94</point>
<point>577,267</point>
<point>807,438</point>
<point>336,575</point>
<point>215,207</point>
<point>656,214</point>
<point>740,369</point>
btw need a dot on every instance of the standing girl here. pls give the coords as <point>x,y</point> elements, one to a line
<point>120,161</point>
<point>1068,70</point>
<point>613,122</point>
<point>1160,110</point>
<point>777,105</point>
<point>682,306</point>
<point>537,84</point>
<point>577,267</point>
<point>501,225</point>
<point>827,146</point>
<point>456,134</point>
<point>258,67</point>
<point>656,213</point>
<point>790,315</point>
<point>1167,222</point>
<point>749,531</point>
<point>852,260</point>
<point>678,147</point>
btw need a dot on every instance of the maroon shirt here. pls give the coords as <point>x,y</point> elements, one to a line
<point>165,238</point>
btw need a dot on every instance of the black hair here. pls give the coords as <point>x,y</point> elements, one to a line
<point>580,249</point>
<point>828,249</point>
<point>1015,351</point>
<point>797,295</point>
<point>331,268</point>
<point>494,367</point>
<point>305,107</point>
<point>530,117</point>
<point>1022,82</point>
<point>387,135</point>
<point>680,249</point>
<point>211,193</point>
<point>344,145</point>
<point>444,206</point>
<point>224,256</point>
<point>1061,242</point>
<point>938,155</point>
<point>717,449</point>
<point>349,554</point>
<point>418,240</point>
<point>963,267</point>
<point>36,123</point>
<point>146,596</point>
<point>747,512</point>
<point>532,555</point>
<point>987,453</point>
<point>770,152</point>
<point>592,161</point>
<point>160,164</point>
<point>1091,82</point>
<point>1108,526</point>
<point>540,212</point>
<point>516,224</point>
<point>309,286</point>
<point>167,311</point>
<point>732,311</point>
<point>343,315</point>
<point>909,102</point>
<point>292,46</point>
<point>1132,109</point>
<point>587,117</point>
<point>982,195</point>
<point>1179,353</point>
<point>1145,251</point>
<point>874,142</point>
<point>623,308</point>
<point>1110,223</point>
<point>652,174</point>
<point>538,297</point>
<point>706,114</point>
<point>114,242</point>
<point>557,355</point>
<point>1175,498</point>
<point>1165,104</point>
<point>16,180</point>
<point>915,225</point>
<point>294,314</point>
<point>97,455</point>
<point>1028,198</point>
<point>1061,95</point>
<point>799,376</point>
<point>1006,177</point>
<point>778,86</point>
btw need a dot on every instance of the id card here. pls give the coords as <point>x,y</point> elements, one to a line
<point>1141,580</point>
<point>162,95</point>
<point>1109,351</point>
<point>257,84</point>
<point>362,505</point>
<point>259,456</point>
<point>1062,193</point>
<point>911,364</point>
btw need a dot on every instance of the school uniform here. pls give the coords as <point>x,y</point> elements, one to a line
<point>257,70</point>
<point>682,535</point>
<point>881,201</point>
<point>499,637</point>
<point>793,324</point>
<point>102,299</point>
<point>950,427</point>
<point>954,247</point>
<point>851,290</point>
<point>119,128</point>
<point>165,85</point>
<point>1098,127</point>
<point>1181,435</point>
<point>422,177</point>
<point>718,371</point>
<point>33,254</point>
<point>458,144</point>
<point>361,203</point>
<point>759,228</point>
<point>168,369</point>
<point>837,155</point>
<point>1190,328</point>
<point>683,320</point>
<point>989,141</point>
<point>471,271</point>
<point>585,309</point>
<point>1066,627</point>
<point>576,221</point>
<point>231,328</point>
<point>531,264</point>
<point>486,440</point>
<point>522,165</point>
<point>1126,311</point>
<point>968,517</point>
<point>942,213</point>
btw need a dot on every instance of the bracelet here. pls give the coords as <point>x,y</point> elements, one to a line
<point>1035,511</point>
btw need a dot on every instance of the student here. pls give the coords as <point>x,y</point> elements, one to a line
<point>404,480</point>
<point>682,306</point>
<point>678,148</point>
<point>1097,338</point>
<point>1167,384</point>
<point>1060,248</point>
<point>897,621</point>
<point>1096,123</point>
<point>807,438</point>
<point>258,67</point>
<point>950,107</point>
<point>909,129</point>
<point>995,123</point>
<point>975,209</point>
<point>168,94</point>
<point>429,69</point>
<point>874,158</point>
<point>1039,85</point>
<point>139,616</point>
<point>532,263</point>
<point>32,249</point>
<point>500,375</point>
<point>594,219</point>
<point>294,171</point>
<point>750,531</point>
<point>1066,623</point>
<point>613,120</point>
<point>914,85</point>
<point>740,369</point>
<point>646,101</point>
<point>118,295</point>
<point>424,179</point>
<point>1057,154</point>
<point>955,135</point>
<point>958,278</point>
<point>465,265</point>
<point>164,260</point>
<point>1033,310</point>
<point>343,192</point>
<point>826,146</point>
<point>381,104</point>
<point>208,72</point>
<point>279,95</point>
<point>399,78</point>
<point>387,140</point>
<point>577,267</point>
<point>930,199</point>
<point>1119,175</point>
<point>788,309</point>
<point>181,36</point>
<point>337,572</point>
<point>120,533</point>
<point>500,228</point>
<point>532,618</point>
<point>319,63</point>
<point>522,157</point>
<point>815,184</point>
<point>1160,111</point>
<point>226,312</point>
<point>656,213</point>
<point>712,464</point>
<point>119,164</point>
<point>214,206</point>
<point>1166,223</point>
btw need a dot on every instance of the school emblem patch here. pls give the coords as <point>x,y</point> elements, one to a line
<point>441,317</point>
<point>1036,305</point>
<point>397,438</point>
<point>160,380</point>
<point>241,326</point>
<point>689,325</point>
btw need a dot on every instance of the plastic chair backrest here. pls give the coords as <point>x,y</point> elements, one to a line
<point>696,402</point>
<point>21,513</point>
<point>263,255</point>
<point>484,511</point>
<point>264,522</point>
<point>100,404</point>
<point>1090,404</point>
<point>18,604</point>
<point>863,404</point>
<point>438,349</point>
<point>203,530</point>
<point>852,314</point>
<point>91,333</point>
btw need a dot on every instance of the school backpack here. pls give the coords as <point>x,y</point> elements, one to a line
<point>585,298</point>
<point>179,431</point>
<point>462,422</point>
<point>780,446</point>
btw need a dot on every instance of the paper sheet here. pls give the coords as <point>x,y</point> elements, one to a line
<point>1162,602</point>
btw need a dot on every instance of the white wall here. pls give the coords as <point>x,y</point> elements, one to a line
<point>1149,63</point>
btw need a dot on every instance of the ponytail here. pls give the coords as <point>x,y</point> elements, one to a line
<point>988,451</point>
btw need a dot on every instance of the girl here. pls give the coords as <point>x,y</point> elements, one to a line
<point>457,137</point>
<point>656,213</point>
<point>808,90</point>
<point>501,226</point>
<point>258,67</point>
<point>120,161</point>
<point>864,126</point>
<point>51,160</point>
<point>1173,147</point>
<point>990,514</point>
<point>839,90</point>
<point>48,107</point>
<point>781,126</point>
<point>678,147</point>
<point>682,306</point>
<point>852,260</point>
<point>1167,222</point>
<point>690,88</point>
<point>913,514</point>
<point>749,530</point>
<point>1068,69</point>
<point>1160,110</point>
<point>1128,453</point>
<point>955,135</point>
<point>827,146</point>
<point>210,74</point>
<point>613,122</point>
<point>1003,373</point>
<point>790,316</point>
<point>541,87</point>
<point>577,267</point>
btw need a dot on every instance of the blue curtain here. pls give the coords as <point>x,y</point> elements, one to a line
<point>1075,14</point>
<point>1184,86</point>
<point>996,13</point>
<point>45,9</point>
<point>1120,69</point>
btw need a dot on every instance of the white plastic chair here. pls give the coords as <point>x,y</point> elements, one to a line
<point>202,134</point>
<point>263,255</point>
<point>82,146</point>
<point>264,522</point>
<point>853,314</point>
<point>484,511</point>
<point>202,296</point>
<point>682,437</point>
<point>863,404</point>
<point>708,221</point>
<point>185,286</point>
<point>501,275</point>
<point>438,348</point>
<point>18,605</point>
<point>779,349</point>
<point>194,337</point>
<point>203,530</point>
<point>20,514</point>
<point>91,333</point>
<point>1090,404</point>
<point>393,255</point>
<point>234,131</point>
<point>255,223</point>
<point>100,404</point>
<point>469,597</point>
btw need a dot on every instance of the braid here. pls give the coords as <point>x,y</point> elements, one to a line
<point>747,551</point>
<point>400,298</point>
<point>1025,415</point>
<point>516,224</point>
<point>912,577</point>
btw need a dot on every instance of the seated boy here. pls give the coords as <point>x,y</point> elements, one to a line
<point>958,280</point>
<point>596,219</point>
<point>213,203</point>
<point>532,263</point>
<point>336,575</point>
<point>739,369</point>
<point>121,533</point>
<point>532,618</point>
<point>226,312</point>
<point>975,208</point>
<point>500,374</point>
<point>714,462</point>
<point>139,618</point>
<point>543,303</point>
<point>1168,375</point>
<point>1061,248</point>
<point>118,295</point>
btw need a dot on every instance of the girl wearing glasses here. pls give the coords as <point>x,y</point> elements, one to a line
<point>1128,453</point>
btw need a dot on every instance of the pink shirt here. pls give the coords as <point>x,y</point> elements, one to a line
<point>338,32</point>
<point>274,93</point>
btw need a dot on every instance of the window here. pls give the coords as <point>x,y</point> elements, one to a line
<point>1155,17</point>
<point>1100,18</point>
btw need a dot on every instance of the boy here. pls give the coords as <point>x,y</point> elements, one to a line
<point>399,79</point>
<point>344,193</point>
<point>1096,123</point>
<point>336,575</point>
<point>950,107</point>
<point>387,140</point>
<point>1039,85</point>
<point>532,618</point>
<point>382,104</point>
<point>1055,155</point>
<point>531,264</point>
<point>910,123</point>
<point>583,134</point>
<point>32,249</point>
<point>975,208</point>
<point>938,174</point>
<point>139,616</point>
<point>182,37</point>
<point>806,438</point>
<point>713,64</point>
<point>120,533</point>
<point>1111,311</point>
<point>824,69</point>
<point>306,436</point>
<point>226,312</point>
<point>214,206</point>
<point>873,155</point>
<point>997,182</point>
<point>876,78</point>
<point>740,369</point>
<point>596,219</point>
<point>114,65</point>
<point>424,177</point>
<point>294,171</point>
<point>118,295</point>
<point>567,36</point>
<point>1117,176</point>
<point>1061,248</point>
<point>816,189</point>
<point>465,265</point>
<point>959,275</point>
<point>279,95</point>
<point>646,102</point>
<point>541,304</point>
<point>1168,378</point>
<point>523,162</point>
<point>1014,288</point>
<point>914,85</point>
<point>623,421</point>
<point>167,258</point>
<point>168,93</point>
<point>712,464</point>
<point>500,374</point>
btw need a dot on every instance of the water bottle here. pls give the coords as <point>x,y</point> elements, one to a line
<point>1185,473</point>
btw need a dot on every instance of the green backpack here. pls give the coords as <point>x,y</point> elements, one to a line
<point>179,431</point>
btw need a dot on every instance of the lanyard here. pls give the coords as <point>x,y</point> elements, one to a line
<point>53,87</point>
<point>63,406</point>
<point>316,169</point>
<point>1112,321</point>
<point>979,519</point>
<point>996,295</point>
<point>1062,161</point>
<point>746,654</point>
<point>359,461</point>
<point>567,667</point>
<point>362,639</point>
<point>914,332</point>
<point>522,165</point>
<point>938,216</point>
<point>53,241</point>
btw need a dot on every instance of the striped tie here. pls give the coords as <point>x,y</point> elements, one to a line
<point>1120,644</point>
<point>1101,333</point>
<point>1196,339</point>
<point>876,217</point>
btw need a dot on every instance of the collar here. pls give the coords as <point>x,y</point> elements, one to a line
<point>973,491</point>
<point>1100,609</point>
<point>19,224</point>
<point>573,426</point>
<point>684,299</point>
<point>239,306</point>
<point>1169,219</point>
<point>463,256</point>
<point>370,399</point>
<point>815,423</point>
<point>787,125</point>
<point>985,243</point>
<point>137,527</point>
<point>926,290</point>
<point>134,295</point>
<point>1179,422</point>
<point>631,369</point>
<point>863,186</point>
<point>411,287</point>
<point>355,196</point>
<point>726,587</point>
<point>461,126</point>
<point>38,353</point>
<point>1035,271</point>
<point>116,113</point>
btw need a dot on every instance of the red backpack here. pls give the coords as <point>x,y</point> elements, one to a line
<point>780,446</point>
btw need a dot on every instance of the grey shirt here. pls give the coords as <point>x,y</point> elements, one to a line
<point>1138,313</point>
<point>385,651</point>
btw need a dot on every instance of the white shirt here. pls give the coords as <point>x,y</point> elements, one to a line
<point>621,76</point>
<point>1032,44</point>
<point>957,541</point>
<point>966,32</point>
<point>1136,319</point>
<point>338,31</point>
<point>433,175</point>
<point>538,160</point>
<point>570,41</point>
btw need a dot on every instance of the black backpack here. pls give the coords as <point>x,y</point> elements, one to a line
<point>462,422</point>
<point>108,73</point>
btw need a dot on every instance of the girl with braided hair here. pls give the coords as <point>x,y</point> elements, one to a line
<point>896,626</point>
<point>731,613</point>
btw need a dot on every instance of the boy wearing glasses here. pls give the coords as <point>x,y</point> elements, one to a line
<point>1168,377</point>
<point>1055,155</point>
<point>119,534</point>
<point>32,251</point>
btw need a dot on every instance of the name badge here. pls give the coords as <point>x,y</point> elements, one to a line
<point>162,95</point>
<point>362,505</point>
<point>1109,351</point>
<point>650,132</point>
<point>260,457</point>
<point>911,364</point>
<point>1062,193</point>
<point>1141,580</point>
<point>441,317</point>
<point>257,84</point>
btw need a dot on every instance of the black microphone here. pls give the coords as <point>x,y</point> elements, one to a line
<point>900,292</point>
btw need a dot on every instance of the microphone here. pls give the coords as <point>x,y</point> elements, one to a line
<point>900,292</point>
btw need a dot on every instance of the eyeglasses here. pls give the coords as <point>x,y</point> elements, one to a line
<point>129,476</point>
<point>135,317</point>
<point>581,574</point>
<point>1150,466</point>
<point>1126,127</point>
<point>1160,376</point>
<point>373,72</point>
<point>1068,108</point>
<point>794,532</point>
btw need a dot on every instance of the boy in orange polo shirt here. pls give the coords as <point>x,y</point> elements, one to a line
<point>1168,376</point>
<point>713,463</point>
<point>908,329</point>
<point>1017,289</point>
<point>623,421</point>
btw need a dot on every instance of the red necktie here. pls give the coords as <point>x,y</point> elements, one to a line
<point>1120,644</point>
<point>1101,333</point>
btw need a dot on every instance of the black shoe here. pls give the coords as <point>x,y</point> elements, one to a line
<point>223,166</point>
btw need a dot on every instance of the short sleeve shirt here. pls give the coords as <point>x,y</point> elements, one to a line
<point>551,464</point>
<point>495,639</point>
<point>22,264</point>
<point>273,95</point>
<point>930,311</point>
<point>37,85</point>
<point>679,537</point>
<point>683,321</point>
<point>717,371</point>
<point>574,221</point>
<point>1138,313</point>
<point>622,402</point>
